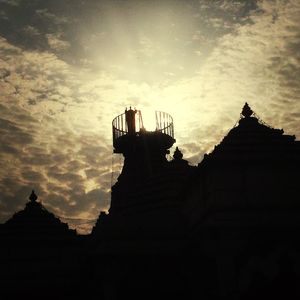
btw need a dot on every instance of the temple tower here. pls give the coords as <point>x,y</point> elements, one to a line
<point>144,155</point>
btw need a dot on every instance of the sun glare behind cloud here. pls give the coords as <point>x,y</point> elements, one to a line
<point>65,74</point>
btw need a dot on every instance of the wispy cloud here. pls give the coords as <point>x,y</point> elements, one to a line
<point>67,69</point>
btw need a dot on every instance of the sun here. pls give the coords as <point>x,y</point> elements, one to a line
<point>148,117</point>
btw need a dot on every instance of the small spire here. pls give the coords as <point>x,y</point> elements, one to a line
<point>177,154</point>
<point>33,197</point>
<point>247,111</point>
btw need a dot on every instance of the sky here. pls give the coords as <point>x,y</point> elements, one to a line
<point>68,67</point>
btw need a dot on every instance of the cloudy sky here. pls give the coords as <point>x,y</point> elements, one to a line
<point>68,67</point>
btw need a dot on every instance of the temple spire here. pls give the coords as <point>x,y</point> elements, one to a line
<point>177,154</point>
<point>33,197</point>
<point>247,111</point>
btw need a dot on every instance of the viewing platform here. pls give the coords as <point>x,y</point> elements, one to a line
<point>129,133</point>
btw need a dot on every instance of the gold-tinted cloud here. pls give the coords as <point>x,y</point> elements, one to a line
<point>76,67</point>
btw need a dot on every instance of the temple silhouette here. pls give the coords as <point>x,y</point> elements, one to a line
<point>227,228</point>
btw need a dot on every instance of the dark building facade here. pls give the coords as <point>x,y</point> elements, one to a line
<point>226,229</point>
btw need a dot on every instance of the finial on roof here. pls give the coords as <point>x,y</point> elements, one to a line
<point>33,197</point>
<point>247,111</point>
<point>177,154</point>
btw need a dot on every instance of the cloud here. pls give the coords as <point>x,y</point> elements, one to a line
<point>67,68</point>
<point>56,43</point>
<point>40,148</point>
<point>257,62</point>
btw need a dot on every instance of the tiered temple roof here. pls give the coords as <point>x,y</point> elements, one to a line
<point>253,141</point>
<point>253,171</point>
<point>36,221</point>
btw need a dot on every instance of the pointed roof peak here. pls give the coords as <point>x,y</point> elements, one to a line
<point>247,112</point>
<point>33,197</point>
<point>177,154</point>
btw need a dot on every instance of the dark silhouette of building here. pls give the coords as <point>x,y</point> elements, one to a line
<point>226,229</point>
<point>40,256</point>
<point>142,236</point>
<point>243,209</point>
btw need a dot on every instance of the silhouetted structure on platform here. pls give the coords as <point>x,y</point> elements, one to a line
<point>145,227</point>
<point>226,229</point>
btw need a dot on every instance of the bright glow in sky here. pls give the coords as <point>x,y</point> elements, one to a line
<point>67,68</point>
